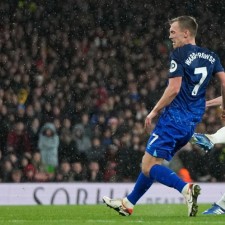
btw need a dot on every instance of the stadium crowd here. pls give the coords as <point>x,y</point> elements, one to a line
<point>77,80</point>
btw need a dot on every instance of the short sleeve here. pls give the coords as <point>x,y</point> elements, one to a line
<point>218,67</point>
<point>176,68</point>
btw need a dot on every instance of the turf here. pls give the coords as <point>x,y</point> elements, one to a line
<point>100,214</point>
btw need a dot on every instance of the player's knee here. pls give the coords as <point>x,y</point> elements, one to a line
<point>146,169</point>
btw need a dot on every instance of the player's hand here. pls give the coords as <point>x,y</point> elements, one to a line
<point>223,114</point>
<point>207,104</point>
<point>148,121</point>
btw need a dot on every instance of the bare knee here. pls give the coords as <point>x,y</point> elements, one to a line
<point>146,169</point>
<point>148,161</point>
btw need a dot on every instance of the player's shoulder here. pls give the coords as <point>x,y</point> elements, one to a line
<point>186,50</point>
<point>182,51</point>
<point>205,50</point>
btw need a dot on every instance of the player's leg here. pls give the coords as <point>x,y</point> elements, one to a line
<point>125,206</point>
<point>161,174</point>
<point>221,202</point>
<point>153,170</point>
<point>218,137</point>
<point>170,138</point>
<point>143,183</point>
<point>169,178</point>
<point>217,208</point>
<point>166,138</point>
<point>207,141</point>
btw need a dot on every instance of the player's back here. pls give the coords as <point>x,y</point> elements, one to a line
<point>196,65</point>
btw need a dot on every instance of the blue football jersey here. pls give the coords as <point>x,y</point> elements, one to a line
<point>196,66</point>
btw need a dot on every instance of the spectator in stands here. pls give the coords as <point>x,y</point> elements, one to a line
<point>83,142</point>
<point>110,173</point>
<point>106,139</point>
<point>64,173</point>
<point>97,152</point>
<point>98,73</point>
<point>78,171</point>
<point>33,133</point>
<point>29,173</point>
<point>4,127</point>
<point>24,161</point>
<point>66,126</point>
<point>18,141</point>
<point>6,170</point>
<point>94,173</point>
<point>68,148</point>
<point>40,170</point>
<point>85,122</point>
<point>16,176</point>
<point>48,144</point>
<point>123,157</point>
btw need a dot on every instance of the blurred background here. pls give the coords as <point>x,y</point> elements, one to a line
<point>77,79</point>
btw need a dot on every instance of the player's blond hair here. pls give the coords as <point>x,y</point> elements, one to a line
<point>186,22</point>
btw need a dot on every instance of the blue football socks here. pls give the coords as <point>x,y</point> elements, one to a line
<point>158,173</point>
<point>167,177</point>
<point>142,184</point>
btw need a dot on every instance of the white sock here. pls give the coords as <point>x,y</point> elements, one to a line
<point>185,190</point>
<point>218,137</point>
<point>221,202</point>
<point>127,203</point>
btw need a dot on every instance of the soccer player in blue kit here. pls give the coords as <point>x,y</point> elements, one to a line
<point>180,109</point>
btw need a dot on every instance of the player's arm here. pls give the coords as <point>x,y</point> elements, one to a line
<point>221,77</point>
<point>168,96</point>
<point>214,102</point>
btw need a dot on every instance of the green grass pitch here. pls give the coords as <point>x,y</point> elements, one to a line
<point>100,214</point>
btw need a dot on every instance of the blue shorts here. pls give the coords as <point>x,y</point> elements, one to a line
<point>168,137</point>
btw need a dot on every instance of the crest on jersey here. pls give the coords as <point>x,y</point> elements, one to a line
<point>173,66</point>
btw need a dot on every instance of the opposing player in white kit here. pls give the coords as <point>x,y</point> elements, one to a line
<point>207,141</point>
